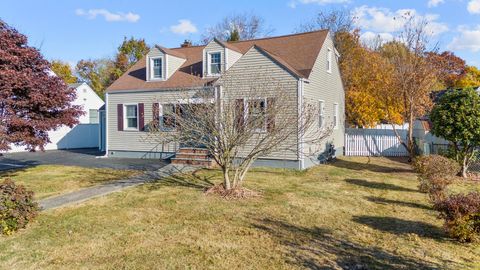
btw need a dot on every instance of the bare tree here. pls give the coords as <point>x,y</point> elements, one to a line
<point>413,75</point>
<point>335,20</point>
<point>243,26</point>
<point>239,124</point>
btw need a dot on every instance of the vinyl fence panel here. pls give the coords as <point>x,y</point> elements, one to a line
<point>374,142</point>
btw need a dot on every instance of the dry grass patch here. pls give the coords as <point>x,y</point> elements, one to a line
<point>355,213</point>
<point>50,180</point>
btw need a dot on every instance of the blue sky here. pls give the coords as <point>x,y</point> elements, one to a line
<point>74,30</point>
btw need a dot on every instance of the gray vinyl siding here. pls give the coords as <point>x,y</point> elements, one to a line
<point>232,57</point>
<point>155,52</point>
<point>247,73</point>
<point>138,140</point>
<point>213,46</point>
<point>329,88</point>
<point>173,63</point>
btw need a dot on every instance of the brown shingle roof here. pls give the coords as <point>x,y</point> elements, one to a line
<point>296,52</point>
<point>171,52</point>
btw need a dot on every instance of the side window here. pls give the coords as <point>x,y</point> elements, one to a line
<point>321,114</point>
<point>131,117</point>
<point>93,116</point>
<point>335,116</point>
<point>329,60</point>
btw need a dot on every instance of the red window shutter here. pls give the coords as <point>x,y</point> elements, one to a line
<point>120,117</point>
<point>240,113</point>
<point>141,118</point>
<point>156,116</point>
<point>270,114</point>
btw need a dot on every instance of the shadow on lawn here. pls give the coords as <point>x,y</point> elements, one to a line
<point>358,166</point>
<point>11,167</point>
<point>400,203</point>
<point>185,179</point>
<point>377,185</point>
<point>401,226</point>
<point>317,248</point>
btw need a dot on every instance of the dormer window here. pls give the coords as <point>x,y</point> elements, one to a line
<point>156,65</point>
<point>215,63</point>
<point>157,68</point>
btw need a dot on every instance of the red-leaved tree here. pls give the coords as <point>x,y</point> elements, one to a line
<point>33,100</point>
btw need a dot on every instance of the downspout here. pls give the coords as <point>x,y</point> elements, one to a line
<point>300,143</point>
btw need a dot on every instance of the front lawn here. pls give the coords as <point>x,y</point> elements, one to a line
<point>355,213</point>
<point>49,180</point>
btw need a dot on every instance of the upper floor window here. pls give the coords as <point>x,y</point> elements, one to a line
<point>329,60</point>
<point>215,64</point>
<point>131,116</point>
<point>156,68</point>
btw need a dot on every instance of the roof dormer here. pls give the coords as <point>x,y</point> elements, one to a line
<point>162,63</point>
<point>219,56</point>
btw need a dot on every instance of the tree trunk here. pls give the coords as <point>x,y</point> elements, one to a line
<point>411,145</point>
<point>226,179</point>
<point>464,167</point>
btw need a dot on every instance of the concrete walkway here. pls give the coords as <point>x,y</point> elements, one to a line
<point>104,189</point>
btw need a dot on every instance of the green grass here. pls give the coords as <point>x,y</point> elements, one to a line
<point>49,180</point>
<point>354,212</point>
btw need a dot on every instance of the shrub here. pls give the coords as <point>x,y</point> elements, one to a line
<point>461,213</point>
<point>17,207</point>
<point>435,173</point>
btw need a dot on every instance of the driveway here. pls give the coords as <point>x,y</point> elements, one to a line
<point>78,157</point>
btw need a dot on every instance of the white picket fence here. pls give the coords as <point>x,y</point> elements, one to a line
<point>374,142</point>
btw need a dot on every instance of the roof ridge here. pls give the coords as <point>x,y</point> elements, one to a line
<point>255,39</point>
<point>274,37</point>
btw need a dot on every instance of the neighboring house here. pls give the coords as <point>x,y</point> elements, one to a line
<point>86,133</point>
<point>305,64</point>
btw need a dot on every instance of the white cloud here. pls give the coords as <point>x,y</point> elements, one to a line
<point>183,27</point>
<point>469,39</point>
<point>293,3</point>
<point>368,37</point>
<point>108,16</point>
<point>434,3</point>
<point>474,7</point>
<point>383,20</point>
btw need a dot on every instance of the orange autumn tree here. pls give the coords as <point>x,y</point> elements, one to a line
<point>471,78</point>
<point>367,77</point>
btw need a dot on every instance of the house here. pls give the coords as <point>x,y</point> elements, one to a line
<point>305,64</point>
<point>83,135</point>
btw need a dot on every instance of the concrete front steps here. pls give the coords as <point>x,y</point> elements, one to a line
<point>193,156</point>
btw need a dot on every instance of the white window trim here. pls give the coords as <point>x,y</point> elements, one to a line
<point>125,122</point>
<point>336,115</point>
<point>209,60</point>
<point>321,111</point>
<point>329,60</point>
<point>246,109</point>
<point>150,68</point>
